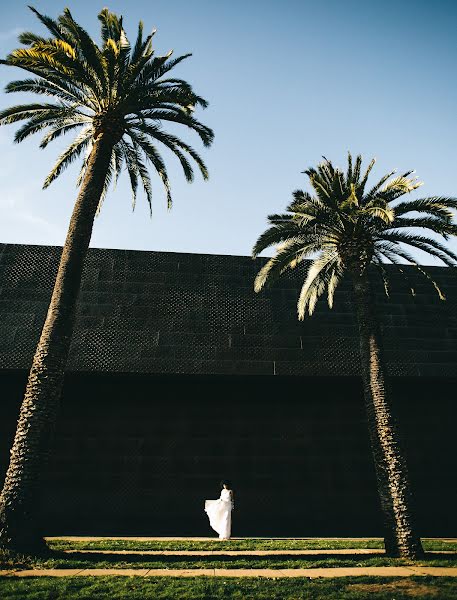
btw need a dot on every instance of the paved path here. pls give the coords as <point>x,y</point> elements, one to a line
<point>247,553</point>
<point>101,538</point>
<point>272,573</point>
<point>79,538</point>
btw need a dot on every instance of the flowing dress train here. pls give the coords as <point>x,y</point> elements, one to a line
<point>220,514</point>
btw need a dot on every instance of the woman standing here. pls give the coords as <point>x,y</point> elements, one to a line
<point>220,511</point>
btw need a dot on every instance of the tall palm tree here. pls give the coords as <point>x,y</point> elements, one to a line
<point>115,97</point>
<point>343,228</point>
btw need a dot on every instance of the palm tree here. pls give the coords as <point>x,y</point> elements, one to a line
<point>343,228</point>
<point>115,97</point>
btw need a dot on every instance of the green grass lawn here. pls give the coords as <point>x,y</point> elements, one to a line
<point>135,561</point>
<point>202,588</point>
<point>114,588</point>
<point>244,544</point>
<point>81,559</point>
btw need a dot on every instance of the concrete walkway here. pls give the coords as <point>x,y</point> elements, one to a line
<point>102,538</point>
<point>271,573</point>
<point>247,553</point>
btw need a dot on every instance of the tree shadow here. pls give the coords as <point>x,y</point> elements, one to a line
<point>337,559</point>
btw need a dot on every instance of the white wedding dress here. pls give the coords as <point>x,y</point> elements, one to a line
<point>220,514</point>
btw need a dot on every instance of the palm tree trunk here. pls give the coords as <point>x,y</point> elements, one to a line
<point>401,538</point>
<point>19,502</point>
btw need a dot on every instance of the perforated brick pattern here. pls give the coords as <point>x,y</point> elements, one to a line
<point>157,312</point>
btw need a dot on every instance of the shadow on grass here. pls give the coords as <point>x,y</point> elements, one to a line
<point>97,557</point>
<point>134,558</point>
<point>87,560</point>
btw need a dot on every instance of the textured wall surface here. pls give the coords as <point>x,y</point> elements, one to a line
<point>155,312</point>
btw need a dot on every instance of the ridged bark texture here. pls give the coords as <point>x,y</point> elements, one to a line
<point>20,499</point>
<point>401,538</point>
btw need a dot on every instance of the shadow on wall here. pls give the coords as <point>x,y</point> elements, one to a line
<point>140,454</point>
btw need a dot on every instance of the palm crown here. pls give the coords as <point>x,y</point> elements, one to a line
<point>116,90</point>
<point>343,227</point>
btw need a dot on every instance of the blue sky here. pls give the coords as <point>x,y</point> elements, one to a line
<point>288,81</point>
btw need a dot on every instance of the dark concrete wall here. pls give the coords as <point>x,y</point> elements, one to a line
<point>180,375</point>
<point>157,312</point>
<point>139,454</point>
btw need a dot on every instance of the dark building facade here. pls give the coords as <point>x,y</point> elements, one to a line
<point>179,375</point>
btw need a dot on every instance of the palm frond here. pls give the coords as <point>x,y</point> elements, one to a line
<point>87,49</point>
<point>437,206</point>
<point>386,214</point>
<point>443,227</point>
<point>71,153</point>
<point>275,235</point>
<point>51,25</point>
<point>156,160</point>
<point>64,92</point>
<point>159,68</point>
<point>205,133</point>
<point>20,112</point>
<point>349,178</point>
<point>363,182</point>
<point>59,128</point>
<point>428,244</point>
<point>357,168</point>
<point>138,47</point>
<point>320,273</point>
<point>174,144</point>
<point>398,186</point>
<point>131,160</point>
<point>110,25</point>
<point>28,38</point>
<point>287,256</point>
<point>45,120</point>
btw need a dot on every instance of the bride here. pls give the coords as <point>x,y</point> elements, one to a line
<point>220,511</point>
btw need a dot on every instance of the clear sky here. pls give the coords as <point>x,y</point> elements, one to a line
<point>288,81</point>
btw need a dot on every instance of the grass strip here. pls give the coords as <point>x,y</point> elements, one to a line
<point>82,560</point>
<point>252,544</point>
<point>202,588</point>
